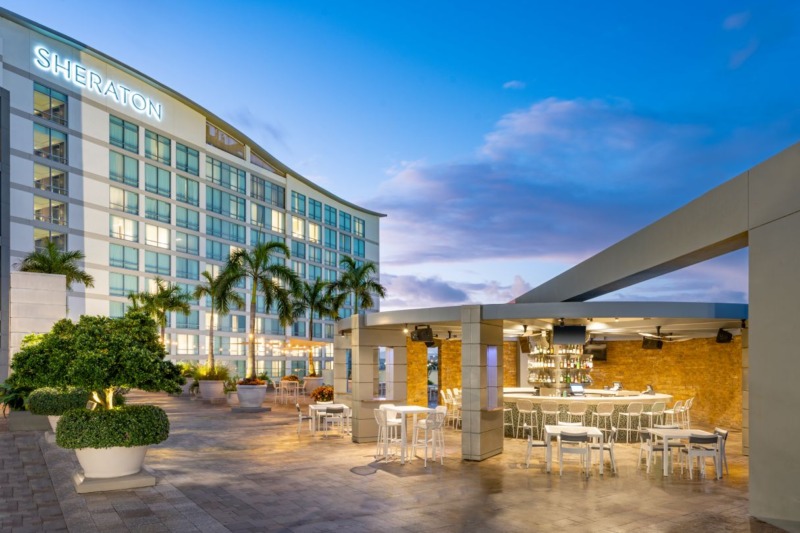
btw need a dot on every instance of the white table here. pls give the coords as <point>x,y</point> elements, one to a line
<point>405,410</point>
<point>678,434</point>
<point>315,411</point>
<point>555,431</point>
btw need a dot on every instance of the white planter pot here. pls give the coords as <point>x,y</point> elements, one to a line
<point>212,389</point>
<point>186,389</point>
<point>111,462</point>
<point>251,395</point>
<point>313,383</point>
<point>53,421</point>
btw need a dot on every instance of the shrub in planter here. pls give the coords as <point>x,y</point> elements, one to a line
<point>218,372</point>
<point>127,426</point>
<point>13,397</point>
<point>53,402</point>
<point>322,394</point>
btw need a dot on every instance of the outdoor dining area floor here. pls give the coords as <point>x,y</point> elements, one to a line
<point>222,471</point>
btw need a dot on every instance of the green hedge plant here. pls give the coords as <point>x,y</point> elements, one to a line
<point>126,426</point>
<point>54,402</point>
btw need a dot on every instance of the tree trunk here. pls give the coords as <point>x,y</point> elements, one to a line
<point>250,370</point>
<point>311,371</point>
<point>210,359</point>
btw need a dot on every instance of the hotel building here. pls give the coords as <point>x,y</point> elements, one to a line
<point>98,157</point>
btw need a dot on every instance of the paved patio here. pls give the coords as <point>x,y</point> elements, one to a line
<point>220,471</point>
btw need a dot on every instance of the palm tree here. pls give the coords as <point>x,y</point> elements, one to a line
<point>168,297</point>
<point>317,298</point>
<point>272,279</point>
<point>51,260</point>
<point>223,297</point>
<point>358,280</point>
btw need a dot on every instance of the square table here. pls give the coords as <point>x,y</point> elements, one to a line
<point>555,431</point>
<point>315,411</point>
<point>405,410</point>
<point>678,434</point>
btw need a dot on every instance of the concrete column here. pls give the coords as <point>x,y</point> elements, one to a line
<point>745,392</point>
<point>364,345</point>
<point>482,406</point>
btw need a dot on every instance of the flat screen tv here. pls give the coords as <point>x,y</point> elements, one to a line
<point>597,351</point>
<point>569,334</point>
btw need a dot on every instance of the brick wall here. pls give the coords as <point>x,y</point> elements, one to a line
<point>417,359</point>
<point>710,372</point>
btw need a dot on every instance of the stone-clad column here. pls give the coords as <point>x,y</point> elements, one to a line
<point>482,405</point>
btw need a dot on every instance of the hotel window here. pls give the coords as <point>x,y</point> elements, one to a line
<point>299,269</point>
<point>330,259</point>
<point>186,243</point>
<point>117,309</point>
<point>123,134</point>
<point>225,175</point>
<point>157,210</point>
<point>317,330</point>
<point>187,159</point>
<point>314,272</point>
<point>123,257</point>
<point>344,243</point>
<point>188,344</point>
<point>156,180</point>
<point>157,147</point>
<point>49,179</point>
<point>50,211</point>
<point>359,227</point>
<point>298,228</point>
<point>187,268</point>
<point>330,275</point>
<point>217,250</point>
<point>123,200</point>
<point>122,228</point>
<point>223,141</point>
<point>123,169</point>
<point>225,230</point>
<point>315,210</point>
<point>187,191</point>
<point>156,236</point>
<point>41,236</point>
<point>49,104</point>
<point>330,216</point>
<point>225,203</point>
<point>190,321</point>
<point>268,326</point>
<point>328,334</point>
<point>156,263</point>
<point>260,216</point>
<point>260,237</point>
<point>299,329</point>
<point>298,250</point>
<point>315,233</point>
<point>122,284</point>
<point>49,143</point>
<point>298,203</point>
<point>186,218</point>
<point>330,238</point>
<point>188,289</point>
<point>315,254</point>
<point>345,221</point>
<point>268,192</point>
<point>359,249</point>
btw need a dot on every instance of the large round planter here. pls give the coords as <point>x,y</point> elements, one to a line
<point>251,395</point>
<point>212,389</point>
<point>53,421</point>
<point>111,462</point>
<point>312,383</point>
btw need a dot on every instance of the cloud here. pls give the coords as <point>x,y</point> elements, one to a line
<point>514,84</point>
<point>254,126</point>
<point>740,56</point>
<point>409,291</point>
<point>736,21</point>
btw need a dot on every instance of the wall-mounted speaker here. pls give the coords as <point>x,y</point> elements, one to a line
<point>422,335</point>
<point>651,344</point>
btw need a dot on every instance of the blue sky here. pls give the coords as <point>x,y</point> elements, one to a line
<point>506,141</point>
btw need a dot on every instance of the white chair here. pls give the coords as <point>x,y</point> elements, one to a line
<point>433,435</point>
<point>577,409</point>
<point>655,414</point>
<point>687,407</point>
<point>608,446</point>
<point>701,447</point>
<point>393,418</point>
<point>455,407</point>
<point>634,412</point>
<point>278,390</point>
<point>302,418</point>
<point>603,412</point>
<point>651,445</point>
<point>290,389</point>
<point>531,443</point>
<point>548,409</point>
<point>334,416</point>
<point>724,434</point>
<point>673,414</point>
<point>576,444</point>
<point>526,416</point>
<point>508,420</point>
<point>387,436</point>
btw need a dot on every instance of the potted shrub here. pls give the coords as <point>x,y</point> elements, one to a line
<point>230,391</point>
<point>252,392</point>
<point>323,394</point>
<point>188,370</point>
<point>212,381</point>
<point>102,355</point>
<point>53,403</point>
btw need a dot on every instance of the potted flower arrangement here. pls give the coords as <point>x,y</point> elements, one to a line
<point>53,403</point>
<point>252,392</point>
<point>101,355</point>
<point>212,381</point>
<point>323,394</point>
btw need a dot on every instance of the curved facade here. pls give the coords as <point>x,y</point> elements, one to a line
<point>101,158</point>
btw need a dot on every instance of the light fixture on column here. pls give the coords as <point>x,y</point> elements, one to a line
<point>405,330</point>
